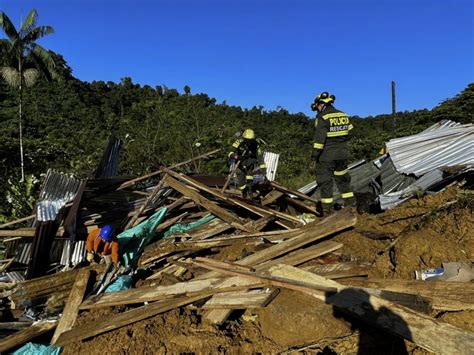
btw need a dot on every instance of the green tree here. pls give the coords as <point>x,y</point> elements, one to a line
<point>23,61</point>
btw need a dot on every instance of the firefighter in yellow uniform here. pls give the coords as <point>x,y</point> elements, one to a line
<point>247,150</point>
<point>330,151</point>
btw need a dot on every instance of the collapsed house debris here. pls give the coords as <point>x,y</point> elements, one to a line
<point>207,255</point>
<point>427,161</point>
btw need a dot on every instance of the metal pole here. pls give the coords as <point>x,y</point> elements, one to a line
<point>394,108</point>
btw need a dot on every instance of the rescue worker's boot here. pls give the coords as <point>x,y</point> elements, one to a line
<point>327,209</point>
<point>247,192</point>
<point>350,202</point>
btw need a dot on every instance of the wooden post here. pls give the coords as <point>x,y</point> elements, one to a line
<point>68,318</point>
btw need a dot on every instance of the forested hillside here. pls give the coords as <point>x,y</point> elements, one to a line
<point>67,124</point>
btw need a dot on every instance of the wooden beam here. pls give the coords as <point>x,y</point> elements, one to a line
<point>337,222</point>
<point>16,221</point>
<point>145,204</point>
<point>258,210</point>
<point>68,318</point>
<point>25,335</point>
<point>241,300</point>
<point>301,195</point>
<point>147,176</point>
<point>123,319</point>
<point>445,296</point>
<point>226,268</point>
<point>153,293</point>
<point>170,222</point>
<point>271,197</point>
<point>204,202</point>
<point>424,331</point>
<point>301,256</point>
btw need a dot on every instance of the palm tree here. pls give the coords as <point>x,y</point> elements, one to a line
<point>22,60</point>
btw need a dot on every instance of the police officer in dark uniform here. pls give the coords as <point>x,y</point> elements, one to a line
<point>330,151</point>
<point>247,150</point>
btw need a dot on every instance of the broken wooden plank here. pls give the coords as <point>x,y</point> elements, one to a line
<point>16,221</point>
<point>333,224</point>
<point>301,195</point>
<point>206,203</point>
<point>225,268</point>
<point>170,222</point>
<point>147,176</point>
<point>68,318</point>
<point>258,210</point>
<point>15,325</point>
<point>152,293</point>
<point>25,335</point>
<point>446,296</point>
<point>123,319</point>
<point>424,331</point>
<point>271,197</point>
<point>145,204</point>
<point>242,299</point>
<point>301,256</point>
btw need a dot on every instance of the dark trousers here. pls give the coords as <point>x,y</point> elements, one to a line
<point>337,170</point>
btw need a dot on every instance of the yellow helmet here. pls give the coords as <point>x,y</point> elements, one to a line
<point>249,134</point>
<point>324,97</point>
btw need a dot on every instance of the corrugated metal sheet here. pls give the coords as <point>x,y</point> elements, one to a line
<point>23,252</point>
<point>312,185</point>
<point>271,160</point>
<point>391,179</point>
<point>78,253</point>
<point>435,148</point>
<point>58,186</point>
<point>110,159</point>
<point>58,189</point>
<point>442,124</point>
<point>393,199</point>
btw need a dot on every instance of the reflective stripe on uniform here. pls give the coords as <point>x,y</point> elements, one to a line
<point>350,127</point>
<point>242,187</point>
<point>337,134</point>
<point>318,146</point>
<point>236,143</point>
<point>326,200</point>
<point>334,115</point>
<point>347,195</point>
<point>263,166</point>
<point>249,177</point>
<point>341,172</point>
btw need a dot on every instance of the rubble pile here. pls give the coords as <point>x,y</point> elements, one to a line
<point>204,270</point>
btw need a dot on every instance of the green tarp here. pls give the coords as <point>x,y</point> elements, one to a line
<point>184,227</point>
<point>37,349</point>
<point>134,240</point>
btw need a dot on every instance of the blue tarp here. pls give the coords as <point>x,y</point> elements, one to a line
<point>124,282</point>
<point>37,349</point>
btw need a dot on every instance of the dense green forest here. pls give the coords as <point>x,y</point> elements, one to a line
<point>67,124</point>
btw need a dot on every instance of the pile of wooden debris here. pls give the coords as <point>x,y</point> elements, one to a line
<point>238,259</point>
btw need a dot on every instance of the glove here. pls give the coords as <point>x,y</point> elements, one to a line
<point>107,259</point>
<point>90,257</point>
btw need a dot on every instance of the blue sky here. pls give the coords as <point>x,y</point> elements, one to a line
<point>270,52</point>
